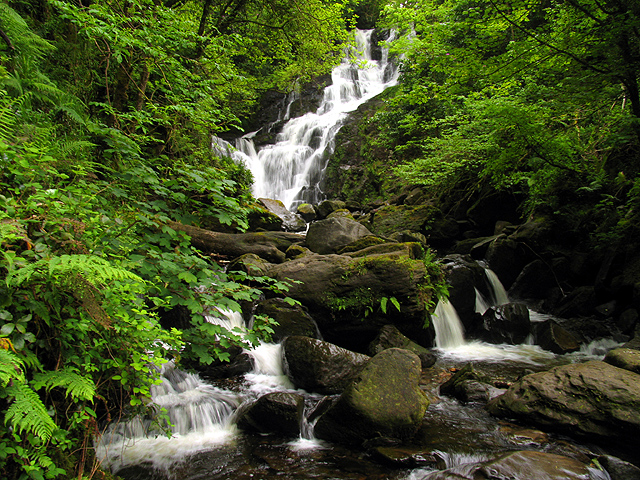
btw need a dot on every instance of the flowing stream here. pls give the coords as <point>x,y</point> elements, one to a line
<point>291,169</point>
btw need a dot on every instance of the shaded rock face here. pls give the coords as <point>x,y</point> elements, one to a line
<point>327,236</point>
<point>343,294</point>
<point>522,465</point>
<point>277,412</point>
<point>318,366</point>
<point>292,319</point>
<point>390,219</point>
<point>626,358</point>
<point>593,398</point>
<point>553,337</point>
<point>505,324</point>
<point>384,400</point>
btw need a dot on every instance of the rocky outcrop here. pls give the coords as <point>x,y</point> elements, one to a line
<point>384,400</point>
<point>291,222</point>
<point>318,366</point>
<point>343,294</point>
<point>594,399</point>
<point>504,324</point>
<point>522,465</point>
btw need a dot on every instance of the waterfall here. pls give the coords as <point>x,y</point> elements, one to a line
<point>291,170</point>
<point>499,294</point>
<point>447,325</point>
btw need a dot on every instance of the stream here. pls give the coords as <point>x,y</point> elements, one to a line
<point>206,442</point>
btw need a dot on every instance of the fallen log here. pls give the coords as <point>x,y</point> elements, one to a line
<point>268,245</point>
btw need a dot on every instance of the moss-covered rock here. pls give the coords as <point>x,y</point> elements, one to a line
<point>277,412</point>
<point>396,218</point>
<point>291,319</point>
<point>385,400</point>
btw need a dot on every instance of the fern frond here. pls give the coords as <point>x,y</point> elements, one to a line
<point>28,413</point>
<point>11,368</point>
<point>77,386</point>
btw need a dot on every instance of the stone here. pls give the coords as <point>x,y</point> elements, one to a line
<point>619,469</point>
<point>249,263</point>
<point>384,400</point>
<point>626,358</point>
<point>390,337</point>
<point>318,366</point>
<point>277,412</point>
<point>328,206</point>
<point>291,222</point>
<point>329,235</point>
<point>592,399</point>
<point>551,336</point>
<point>389,219</point>
<point>341,212</point>
<point>519,465</point>
<point>307,212</point>
<point>291,319</point>
<point>507,258</point>
<point>409,236</point>
<point>362,243</point>
<point>466,385</point>
<point>505,324</point>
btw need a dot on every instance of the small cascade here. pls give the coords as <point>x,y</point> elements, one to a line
<point>268,373</point>
<point>291,170</point>
<point>200,418</point>
<point>482,305</point>
<point>447,325</point>
<point>498,293</point>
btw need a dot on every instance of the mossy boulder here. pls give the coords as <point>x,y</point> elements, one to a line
<point>391,337</point>
<point>329,235</point>
<point>307,212</point>
<point>290,221</point>
<point>364,242</point>
<point>626,358</point>
<point>396,218</point>
<point>385,400</point>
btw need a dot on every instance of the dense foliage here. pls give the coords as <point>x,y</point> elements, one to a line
<point>107,109</point>
<point>538,98</point>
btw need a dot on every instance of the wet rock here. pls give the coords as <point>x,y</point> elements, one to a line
<point>291,319</point>
<point>329,235</point>
<point>296,251</point>
<point>277,412</point>
<point>390,337</point>
<point>384,400</point>
<point>505,324</point>
<point>307,212</point>
<point>522,465</point>
<point>328,206</point>
<point>593,399</point>
<point>404,457</point>
<point>619,469</point>
<point>318,366</point>
<point>626,358</point>
<point>524,437</point>
<point>238,364</point>
<point>507,258</point>
<point>467,386</point>
<point>259,218</point>
<point>551,336</point>
<point>464,275</point>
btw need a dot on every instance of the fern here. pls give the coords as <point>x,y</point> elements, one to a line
<point>11,368</point>
<point>27,413</point>
<point>77,386</point>
<point>64,268</point>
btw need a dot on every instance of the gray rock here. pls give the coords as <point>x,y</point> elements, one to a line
<point>593,399</point>
<point>291,319</point>
<point>307,212</point>
<point>328,206</point>
<point>385,400</point>
<point>551,336</point>
<point>290,221</point>
<point>318,366</point>
<point>329,235</point>
<point>505,324</point>
<point>277,412</point>
<point>390,337</point>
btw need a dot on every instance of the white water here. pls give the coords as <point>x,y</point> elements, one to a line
<point>447,325</point>
<point>498,292</point>
<point>291,170</point>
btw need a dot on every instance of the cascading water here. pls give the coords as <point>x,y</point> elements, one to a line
<point>291,169</point>
<point>447,325</point>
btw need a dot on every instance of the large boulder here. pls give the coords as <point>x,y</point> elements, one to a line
<point>291,319</point>
<point>594,399</point>
<point>626,358</point>
<point>385,400</point>
<point>277,412</point>
<point>505,324</point>
<point>552,336</point>
<point>344,294</point>
<point>318,366</point>
<point>329,235</point>
<point>521,465</point>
